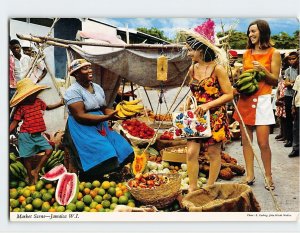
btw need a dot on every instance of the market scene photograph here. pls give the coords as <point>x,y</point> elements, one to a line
<point>153,115</point>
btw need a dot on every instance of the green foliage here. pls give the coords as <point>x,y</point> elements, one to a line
<point>238,40</point>
<point>285,41</point>
<point>154,32</point>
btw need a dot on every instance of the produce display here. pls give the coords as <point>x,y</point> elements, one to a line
<point>247,82</point>
<point>129,108</point>
<point>93,196</point>
<point>147,180</point>
<point>138,129</point>
<point>167,135</point>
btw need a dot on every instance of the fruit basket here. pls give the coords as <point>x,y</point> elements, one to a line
<point>135,140</point>
<point>160,196</point>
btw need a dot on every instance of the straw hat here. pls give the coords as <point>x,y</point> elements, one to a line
<point>77,64</point>
<point>205,34</point>
<point>25,88</point>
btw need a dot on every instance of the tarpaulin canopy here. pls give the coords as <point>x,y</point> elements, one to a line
<point>139,66</point>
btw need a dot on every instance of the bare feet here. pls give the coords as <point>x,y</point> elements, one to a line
<point>35,176</point>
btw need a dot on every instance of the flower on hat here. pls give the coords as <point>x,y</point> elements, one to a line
<point>207,30</point>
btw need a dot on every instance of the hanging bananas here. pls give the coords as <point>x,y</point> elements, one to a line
<point>129,108</point>
<point>247,82</point>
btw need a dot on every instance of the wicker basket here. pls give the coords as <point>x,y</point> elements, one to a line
<point>160,196</point>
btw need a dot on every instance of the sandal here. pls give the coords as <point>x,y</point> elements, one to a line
<point>248,182</point>
<point>271,184</point>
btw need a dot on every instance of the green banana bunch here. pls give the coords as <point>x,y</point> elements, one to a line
<point>247,82</point>
<point>56,158</point>
<point>18,170</point>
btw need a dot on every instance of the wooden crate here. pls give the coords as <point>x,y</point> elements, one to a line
<point>170,156</point>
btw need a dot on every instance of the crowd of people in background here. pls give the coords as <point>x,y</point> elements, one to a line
<point>287,103</point>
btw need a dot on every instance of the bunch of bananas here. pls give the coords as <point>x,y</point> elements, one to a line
<point>56,158</point>
<point>129,108</point>
<point>17,170</point>
<point>247,82</point>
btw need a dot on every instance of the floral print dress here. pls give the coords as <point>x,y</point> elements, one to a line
<point>205,91</point>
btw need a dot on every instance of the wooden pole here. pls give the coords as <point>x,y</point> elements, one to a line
<point>65,43</point>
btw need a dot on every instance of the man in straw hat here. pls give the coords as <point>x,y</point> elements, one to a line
<point>29,109</point>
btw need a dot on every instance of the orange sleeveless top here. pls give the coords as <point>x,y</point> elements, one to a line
<point>265,60</point>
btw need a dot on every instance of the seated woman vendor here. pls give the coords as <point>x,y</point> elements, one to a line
<point>92,144</point>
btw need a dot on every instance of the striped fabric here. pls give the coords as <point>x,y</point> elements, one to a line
<point>32,116</point>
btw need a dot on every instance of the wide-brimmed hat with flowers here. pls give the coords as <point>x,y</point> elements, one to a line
<point>25,88</point>
<point>77,64</point>
<point>204,34</point>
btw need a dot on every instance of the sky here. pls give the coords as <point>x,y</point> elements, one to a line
<point>170,25</point>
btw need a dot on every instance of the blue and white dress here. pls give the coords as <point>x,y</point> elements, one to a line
<point>94,143</point>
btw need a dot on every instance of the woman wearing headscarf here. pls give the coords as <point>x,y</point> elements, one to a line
<point>95,147</point>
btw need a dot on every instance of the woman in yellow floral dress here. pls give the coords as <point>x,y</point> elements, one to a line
<point>212,89</point>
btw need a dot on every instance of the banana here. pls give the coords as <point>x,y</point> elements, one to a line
<point>132,102</point>
<point>250,70</point>
<point>12,157</point>
<point>262,74</point>
<point>251,89</point>
<point>52,162</point>
<point>255,81</point>
<point>57,154</point>
<point>245,80</point>
<point>120,113</point>
<point>13,171</point>
<point>21,166</point>
<point>18,172</point>
<point>245,74</point>
<point>127,113</point>
<point>133,108</point>
<point>246,86</point>
<point>15,166</point>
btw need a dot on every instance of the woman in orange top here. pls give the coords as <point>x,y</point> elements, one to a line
<point>256,110</point>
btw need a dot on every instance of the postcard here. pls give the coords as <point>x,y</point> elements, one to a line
<point>106,119</point>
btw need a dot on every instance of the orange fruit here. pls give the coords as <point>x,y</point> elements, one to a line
<point>48,186</point>
<point>105,184</point>
<point>93,210</point>
<point>93,193</point>
<point>52,209</point>
<point>79,195</point>
<point>21,198</point>
<point>98,207</point>
<point>119,193</point>
<point>86,191</point>
<point>124,188</point>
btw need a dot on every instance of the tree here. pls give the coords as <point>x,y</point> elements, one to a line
<point>154,32</point>
<point>285,41</point>
<point>237,40</point>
